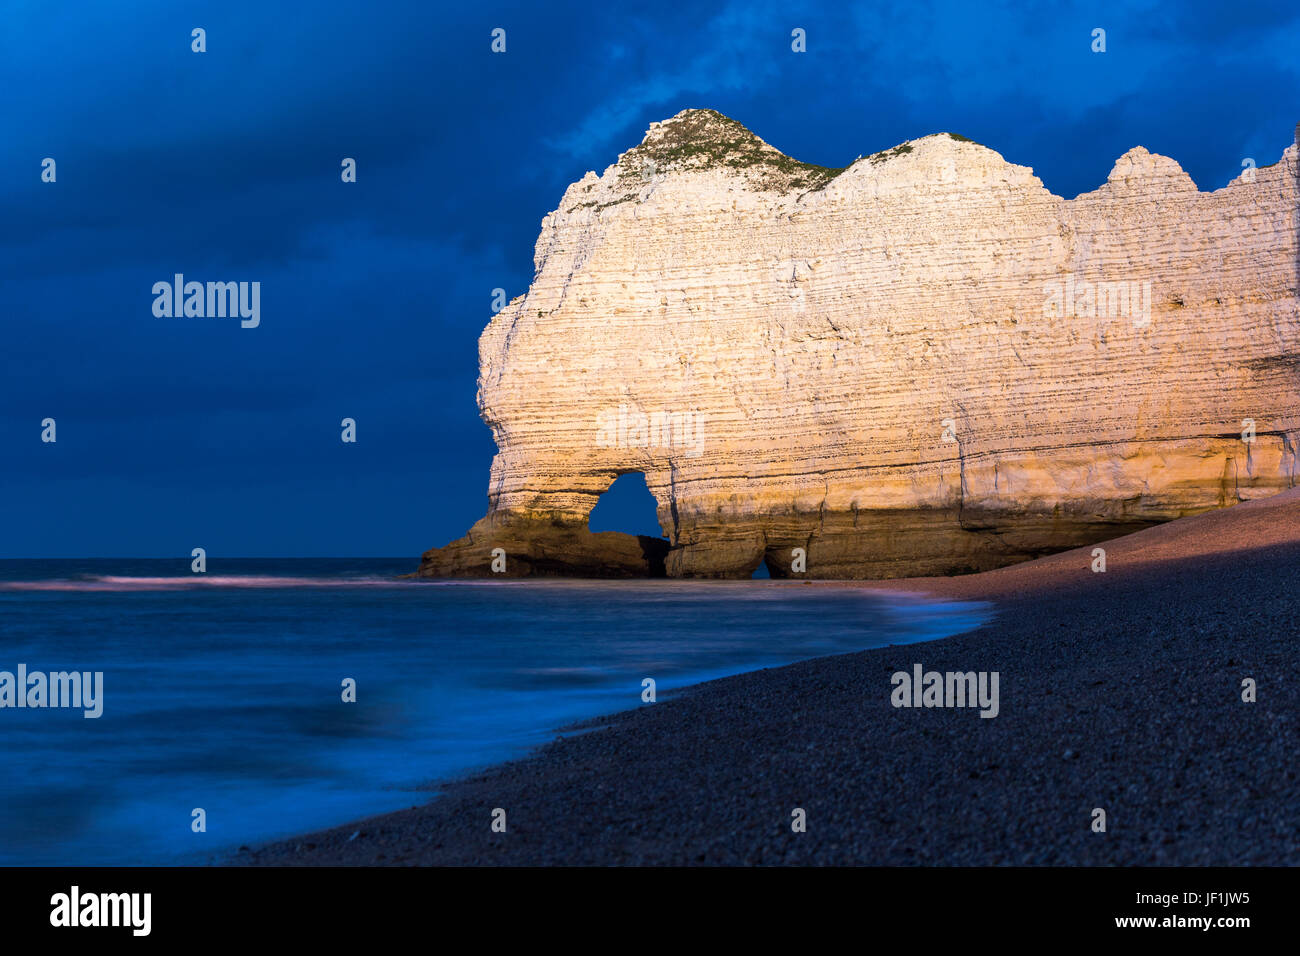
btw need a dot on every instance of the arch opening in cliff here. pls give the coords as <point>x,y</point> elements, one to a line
<point>627,506</point>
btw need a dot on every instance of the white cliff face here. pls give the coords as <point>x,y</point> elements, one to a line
<point>926,362</point>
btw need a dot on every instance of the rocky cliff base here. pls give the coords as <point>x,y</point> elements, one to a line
<point>872,545</point>
<point>520,547</point>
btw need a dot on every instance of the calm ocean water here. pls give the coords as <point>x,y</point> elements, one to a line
<point>223,691</point>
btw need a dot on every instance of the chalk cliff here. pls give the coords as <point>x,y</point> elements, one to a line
<point>923,363</point>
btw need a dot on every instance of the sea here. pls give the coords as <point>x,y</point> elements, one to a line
<point>224,721</point>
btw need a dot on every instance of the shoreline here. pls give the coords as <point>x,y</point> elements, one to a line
<point>1120,690</point>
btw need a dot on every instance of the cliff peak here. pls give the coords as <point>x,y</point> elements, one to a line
<point>704,139</point>
<point>1140,167</point>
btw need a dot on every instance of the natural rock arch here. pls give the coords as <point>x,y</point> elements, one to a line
<point>923,363</point>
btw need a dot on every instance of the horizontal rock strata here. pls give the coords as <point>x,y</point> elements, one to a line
<point>924,363</point>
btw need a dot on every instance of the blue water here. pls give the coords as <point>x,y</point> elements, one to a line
<point>223,691</point>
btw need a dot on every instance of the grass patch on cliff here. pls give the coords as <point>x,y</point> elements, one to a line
<point>887,154</point>
<point>705,139</point>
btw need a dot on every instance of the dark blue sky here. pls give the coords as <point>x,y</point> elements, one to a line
<point>181,433</point>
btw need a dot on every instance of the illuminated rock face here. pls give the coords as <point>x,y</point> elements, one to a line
<point>925,363</point>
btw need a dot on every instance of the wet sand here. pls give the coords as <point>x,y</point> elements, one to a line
<point>1119,690</point>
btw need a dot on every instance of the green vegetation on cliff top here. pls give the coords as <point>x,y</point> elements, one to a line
<point>705,139</point>
<point>702,139</point>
